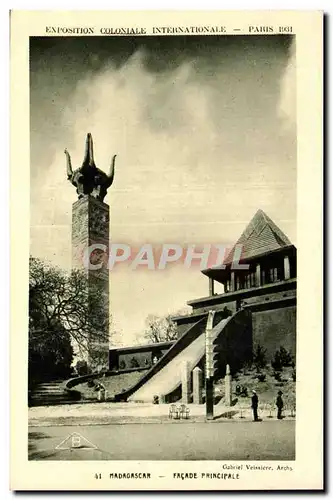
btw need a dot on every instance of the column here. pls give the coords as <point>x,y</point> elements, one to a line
<point>209,367</point>
<point>90,226</point>
<point>227,387</point>
<point>211,286</point>
<point>286,265</point>
<point>232,281</point>
<point>197,386</point>
<point>258,275</point>
<point>186,382</point>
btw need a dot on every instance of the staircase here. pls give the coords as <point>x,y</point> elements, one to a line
<point>50,394</point>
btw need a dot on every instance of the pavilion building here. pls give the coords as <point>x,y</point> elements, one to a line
<point>259,274</point>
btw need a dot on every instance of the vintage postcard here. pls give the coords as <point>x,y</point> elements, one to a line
<point>166,211</point>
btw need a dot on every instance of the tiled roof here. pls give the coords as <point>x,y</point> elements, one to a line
<point>260,236</point>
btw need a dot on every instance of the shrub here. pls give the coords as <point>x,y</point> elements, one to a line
<point>277,376</point>
<point>91,383</point>
<point>259,358</point>
<point>261,377</point>
<point>122,365</point>
<point>134,363</point>
<point>281,359</point>
<point>244,392</point>
<point>286,357</point>
<point>276,362</point>
<point>82,367</point>
<point>247,366</point>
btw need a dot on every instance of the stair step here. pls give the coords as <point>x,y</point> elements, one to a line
<point>50,394</point>
<point>43,393</point>
<point>47,403</point>
<point>46,394</point>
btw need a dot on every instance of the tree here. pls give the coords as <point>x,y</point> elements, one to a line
<point>160,329</point>
<point>62,308</point>
<point>82,367</point>
<point>286,357</point>
<point>282,358</point>
<point>50,354</point>
<point>276,362</point>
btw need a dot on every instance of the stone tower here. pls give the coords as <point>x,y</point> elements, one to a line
<point>90,242</point>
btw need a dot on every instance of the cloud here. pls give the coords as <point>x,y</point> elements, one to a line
<point>199,151</point>
<point>287,104</point>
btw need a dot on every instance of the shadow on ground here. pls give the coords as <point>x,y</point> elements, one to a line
<point>33,452</point>
<point>227,414</point>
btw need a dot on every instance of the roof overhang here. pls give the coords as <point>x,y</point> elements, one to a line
<point>223,270</point>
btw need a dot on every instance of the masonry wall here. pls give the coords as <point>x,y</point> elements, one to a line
<point>274,328</point>
<point>123,359</point>
<point>90,225</point>
<point>134,359</point>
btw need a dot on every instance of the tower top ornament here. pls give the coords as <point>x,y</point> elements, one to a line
<point>88,179</point>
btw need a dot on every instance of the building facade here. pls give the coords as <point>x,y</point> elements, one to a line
<point>259,278</point>
<point>258,275</point>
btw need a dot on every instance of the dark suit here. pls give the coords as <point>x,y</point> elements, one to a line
<point>255,407</point>
<point>279,404</point>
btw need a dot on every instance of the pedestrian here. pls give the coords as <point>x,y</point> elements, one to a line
<point>255,406</point>
<point>279,404</point>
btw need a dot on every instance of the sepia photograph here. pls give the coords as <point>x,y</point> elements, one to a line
<point>162,273</point>
<point>166,336</point>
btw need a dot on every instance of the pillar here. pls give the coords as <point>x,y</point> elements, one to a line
<point>286,265</point>
<point>211,286</point>
<point>186,382</point>
<point>227,387</point>
<point>209,367</point>
<point>258,275</point>
<point>90,226</point>
<point>232,281</point>
<point>197,386</point>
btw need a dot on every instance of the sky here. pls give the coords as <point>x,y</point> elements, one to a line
<point>205,133</point>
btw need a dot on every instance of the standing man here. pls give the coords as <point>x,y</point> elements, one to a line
<point>279,404</point>
<point>255,406</point>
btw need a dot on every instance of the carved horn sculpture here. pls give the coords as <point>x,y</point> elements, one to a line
<point>89,153</point>
<point>88,179</point>
<point>69,165</point>
<point>111,172</point>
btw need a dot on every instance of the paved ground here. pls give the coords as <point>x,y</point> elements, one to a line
<point>124,413</point>
<point>217,440</point>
